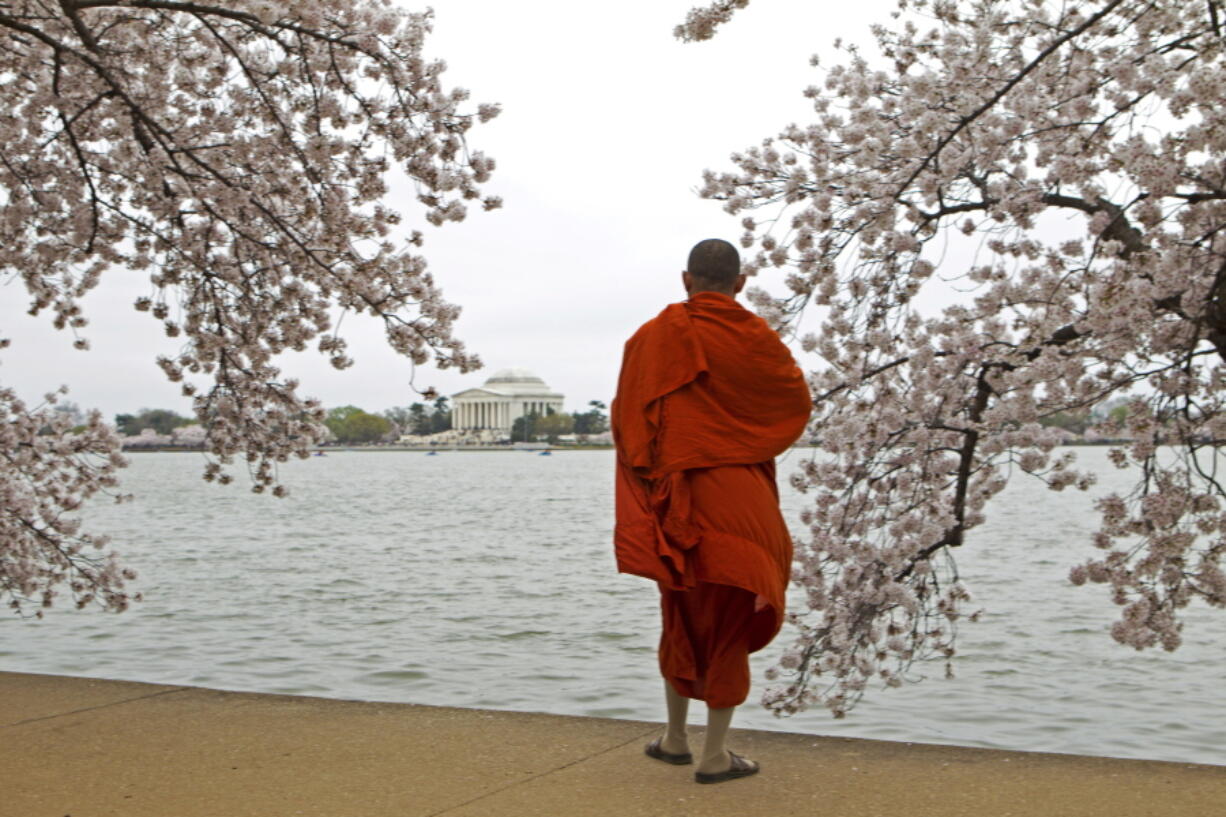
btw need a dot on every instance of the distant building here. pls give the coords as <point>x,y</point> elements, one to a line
<point>506,396</point>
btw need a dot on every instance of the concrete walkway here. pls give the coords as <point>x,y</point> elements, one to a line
<point>75,747</point>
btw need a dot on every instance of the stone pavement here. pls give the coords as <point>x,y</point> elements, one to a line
<point>76,747</point>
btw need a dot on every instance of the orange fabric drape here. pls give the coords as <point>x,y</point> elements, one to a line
<point>708,396</point>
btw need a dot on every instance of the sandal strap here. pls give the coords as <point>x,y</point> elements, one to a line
<point>740,763</point>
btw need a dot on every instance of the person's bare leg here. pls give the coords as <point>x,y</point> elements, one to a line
<point>676,739</point>
<point>715,756</point>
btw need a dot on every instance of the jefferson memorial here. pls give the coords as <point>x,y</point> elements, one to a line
<point>508,395</point>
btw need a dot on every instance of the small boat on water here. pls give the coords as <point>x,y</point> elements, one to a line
<point>546,453</point>
<point>431,453</point>
<point>320,454</point>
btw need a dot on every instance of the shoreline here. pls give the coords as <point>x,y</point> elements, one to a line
<point>534,449</point>
<point>414,449</point>
<point>80,746</point>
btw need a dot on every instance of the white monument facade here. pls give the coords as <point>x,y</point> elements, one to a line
<point>506,396</point>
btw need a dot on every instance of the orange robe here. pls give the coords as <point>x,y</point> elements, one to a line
<point>708,396</point>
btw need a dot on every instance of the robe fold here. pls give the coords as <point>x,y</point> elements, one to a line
<point>708,396</point>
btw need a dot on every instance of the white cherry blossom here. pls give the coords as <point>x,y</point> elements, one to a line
<point>989,122</point>
<point>235,154</point>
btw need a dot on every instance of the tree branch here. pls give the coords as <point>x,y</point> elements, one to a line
<point>1008,86</point>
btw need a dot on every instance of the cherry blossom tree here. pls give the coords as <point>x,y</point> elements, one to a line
<point>1074,155</point>
<point>235,152</point>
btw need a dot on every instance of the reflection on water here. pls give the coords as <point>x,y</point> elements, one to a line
<point>487,580</point>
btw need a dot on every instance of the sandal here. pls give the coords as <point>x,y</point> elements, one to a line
<point>653,750</point>
<point>740,767</point>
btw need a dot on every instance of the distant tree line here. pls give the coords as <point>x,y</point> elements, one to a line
<point>421,419</point>
<point>350,424</point>
<point>552,425</point>
<point>162,421</point>
<point>1111,413</point>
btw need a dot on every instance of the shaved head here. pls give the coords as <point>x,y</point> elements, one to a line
<point>714,264</point>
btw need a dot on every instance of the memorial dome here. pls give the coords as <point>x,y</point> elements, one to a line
<point>507,395</point>
<point>516,381</point>
<point>513,376</point>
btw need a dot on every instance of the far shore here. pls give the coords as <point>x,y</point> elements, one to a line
<point>514,448</point>
<point>417,449</point>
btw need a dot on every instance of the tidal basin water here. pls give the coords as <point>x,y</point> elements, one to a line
<point>487,580</point>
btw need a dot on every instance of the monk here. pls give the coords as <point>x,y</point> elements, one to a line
<point>708,396</point>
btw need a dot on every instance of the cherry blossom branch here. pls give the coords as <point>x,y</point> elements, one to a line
<point>235,154</point>
<point>923,418</point>
<point>1013,82</point>
<point>702,21</point>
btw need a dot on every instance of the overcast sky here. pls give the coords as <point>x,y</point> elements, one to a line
<point>607,124</point>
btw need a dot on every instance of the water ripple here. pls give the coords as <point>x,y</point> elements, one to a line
<point>487,579</point>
